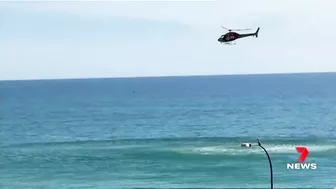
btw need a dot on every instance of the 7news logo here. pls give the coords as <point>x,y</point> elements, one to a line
<point>301,165</point>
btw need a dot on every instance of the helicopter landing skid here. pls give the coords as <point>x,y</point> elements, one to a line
<point>230,43</point>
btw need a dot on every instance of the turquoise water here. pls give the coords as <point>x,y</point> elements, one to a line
<point>167,132</point>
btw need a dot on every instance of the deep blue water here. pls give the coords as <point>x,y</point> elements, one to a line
<point>167,132</point>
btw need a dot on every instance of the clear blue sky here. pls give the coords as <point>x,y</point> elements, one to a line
<point>41,40</point>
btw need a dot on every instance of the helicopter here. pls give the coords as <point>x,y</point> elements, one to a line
<point>231,36</point>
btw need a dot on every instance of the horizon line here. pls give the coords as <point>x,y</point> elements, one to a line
<point>169,76</point>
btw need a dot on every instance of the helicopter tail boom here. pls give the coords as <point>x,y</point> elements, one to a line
<point>250,34</point>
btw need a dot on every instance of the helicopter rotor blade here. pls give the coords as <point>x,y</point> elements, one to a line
<point>225,28</point>
<point>240,29</point>
<point>234,29</point>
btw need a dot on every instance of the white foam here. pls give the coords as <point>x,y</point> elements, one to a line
<point>291,148</point>
<point>232,150</point>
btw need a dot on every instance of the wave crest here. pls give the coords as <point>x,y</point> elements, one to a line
<point>276,149</point>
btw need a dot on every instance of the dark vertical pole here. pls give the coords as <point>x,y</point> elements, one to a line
<point>270,162</point>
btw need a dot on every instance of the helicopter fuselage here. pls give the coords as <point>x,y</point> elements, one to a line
<point>231,36</point>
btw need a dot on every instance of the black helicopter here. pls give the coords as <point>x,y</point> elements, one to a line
<point>231,36</point>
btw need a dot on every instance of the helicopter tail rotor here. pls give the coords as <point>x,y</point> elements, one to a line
<point>256,34</point>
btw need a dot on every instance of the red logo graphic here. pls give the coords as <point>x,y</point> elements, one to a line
<point>304,153</point>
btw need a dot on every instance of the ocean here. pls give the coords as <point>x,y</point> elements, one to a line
<point>167,132</point>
